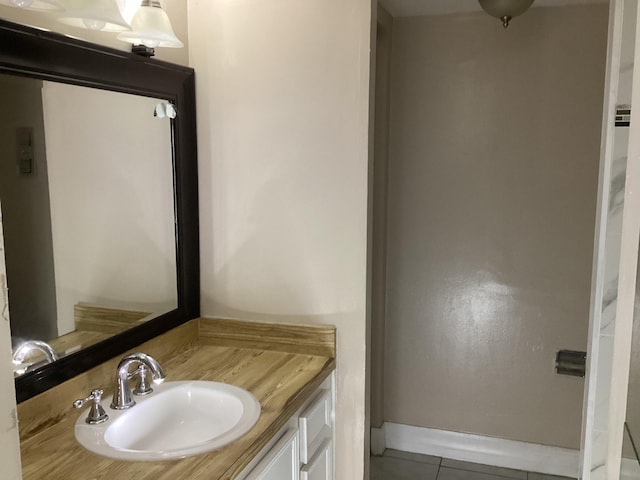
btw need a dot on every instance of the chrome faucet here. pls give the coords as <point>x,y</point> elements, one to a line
<point>122,395</point>
<point>30,346</point>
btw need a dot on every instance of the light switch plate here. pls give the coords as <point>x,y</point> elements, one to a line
<point>25,162</point>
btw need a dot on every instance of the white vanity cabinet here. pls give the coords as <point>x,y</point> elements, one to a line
<point>304,448</point>
<point>281,462</point>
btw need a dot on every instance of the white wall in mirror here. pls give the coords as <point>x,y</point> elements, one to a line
<point>112,210</point>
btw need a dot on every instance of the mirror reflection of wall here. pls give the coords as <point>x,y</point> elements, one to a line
<point>25,201</point>
<point>86,184</point>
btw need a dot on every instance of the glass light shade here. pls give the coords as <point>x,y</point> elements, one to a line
<point>151,27</point>
<point>94,15</point>
<point>505,9</point>
<point>45,5</point>
<point>128,8</point>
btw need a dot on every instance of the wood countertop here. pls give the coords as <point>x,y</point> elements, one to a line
<point>281,380</point>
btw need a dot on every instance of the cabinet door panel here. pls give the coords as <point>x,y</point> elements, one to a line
<point>281,463</point>
<point>315,422</point>
<point>321,465</point>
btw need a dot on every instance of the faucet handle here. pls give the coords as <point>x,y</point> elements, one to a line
<point>143,387</point>
<point>97,413</point>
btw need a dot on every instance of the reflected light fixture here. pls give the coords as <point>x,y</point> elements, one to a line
<point>45,5</point>
<point>505,10</point>
<point>150,26</point>
<point>101,15</point>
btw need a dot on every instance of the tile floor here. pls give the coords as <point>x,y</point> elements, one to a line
<point>397,465</point>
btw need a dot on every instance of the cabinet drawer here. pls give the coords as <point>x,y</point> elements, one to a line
<point>315,424</point>
<point>281,463</point>
<point>321,465</point>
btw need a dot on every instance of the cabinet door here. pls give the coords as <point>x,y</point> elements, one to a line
<point>281,463</point>
<point>321,465</point>
<point>315,424</point>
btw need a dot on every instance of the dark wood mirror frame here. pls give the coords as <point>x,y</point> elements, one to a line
<point>29,52</point>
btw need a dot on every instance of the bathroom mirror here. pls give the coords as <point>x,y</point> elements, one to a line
<point>86,184</point>
<point>123,219</point>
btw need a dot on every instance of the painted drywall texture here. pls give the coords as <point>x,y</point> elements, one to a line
<point>10,451</point>
<point>494,151</point>
<point>282,140</point>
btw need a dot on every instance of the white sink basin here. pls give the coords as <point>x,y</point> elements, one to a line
<point>177,420</point>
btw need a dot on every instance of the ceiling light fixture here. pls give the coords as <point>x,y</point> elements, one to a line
<point>505,10</point>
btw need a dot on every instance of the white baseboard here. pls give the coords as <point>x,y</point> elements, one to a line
<point>498,452</point>
<point>377,442</point>
<point>630,470</point>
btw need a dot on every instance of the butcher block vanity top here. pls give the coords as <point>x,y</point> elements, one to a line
<point>282,365</point>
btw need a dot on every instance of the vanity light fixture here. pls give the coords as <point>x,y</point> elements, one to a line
<point>128,8</point>
<point>101,15</point>
<point>505,10</point>
<point>45,5</point>
<point>150,27</point>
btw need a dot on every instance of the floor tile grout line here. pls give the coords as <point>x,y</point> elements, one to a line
<point>496,475</point>
<point>439,464</point>
<point>412,461</point>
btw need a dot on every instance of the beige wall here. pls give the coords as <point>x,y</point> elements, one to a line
<point>492,189</point>
<point>10,451</point>
<point>282,128</point>
<point>176,9</point>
